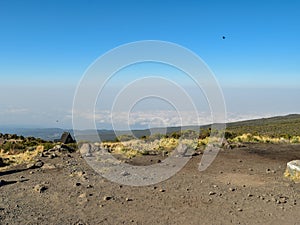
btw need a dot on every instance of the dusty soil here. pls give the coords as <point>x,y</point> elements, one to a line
<point>243,186</point>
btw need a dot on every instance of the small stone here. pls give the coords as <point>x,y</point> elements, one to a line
<point>125,173</point>
<point>268,170</point>
<point>83,195</point>
<point>250,195</point>
<point>40,188</point>
<point>77,184</point>
<point>48,166</point>
<point>30,166</point>
<point>212,193</point>
<point>38,164</point>
<point>107,198</point>
<point>232,189</point>
<point>162,190</point>
<point>240,209</point>
<point>80,173</point>
<point>128,199</point>
<point>215,186</point>
<point>250,169</point>
<point>282,200</point>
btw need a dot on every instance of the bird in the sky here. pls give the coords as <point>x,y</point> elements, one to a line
<point>223,37</point>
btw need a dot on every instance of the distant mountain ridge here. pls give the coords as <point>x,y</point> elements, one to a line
<point>276,126</point>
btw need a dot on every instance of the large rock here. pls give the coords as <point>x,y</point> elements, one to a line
<point>293,170</point>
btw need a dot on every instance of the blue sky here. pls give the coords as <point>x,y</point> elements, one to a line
<point>45,47</point>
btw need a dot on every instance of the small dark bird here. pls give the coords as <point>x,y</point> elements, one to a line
<point>57,121</point>
<point>223,37</point>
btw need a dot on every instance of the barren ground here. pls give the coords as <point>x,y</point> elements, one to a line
<point>243,186</point>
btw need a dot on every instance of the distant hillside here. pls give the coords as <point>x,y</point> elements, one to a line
<point>280,126</point>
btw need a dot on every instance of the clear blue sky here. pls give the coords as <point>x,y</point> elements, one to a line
<point>51,43</point>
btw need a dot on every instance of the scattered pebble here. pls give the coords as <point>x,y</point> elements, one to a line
<point>80,173</point>
<point>38,164</point>
<point>107,198</point>
<point>125,173</point>
<point>48,166</point>
<point>40,188</point>
<point>83,195</point>
<point>77,184</point>
<point>281,200</point>
<point>212,193</point>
